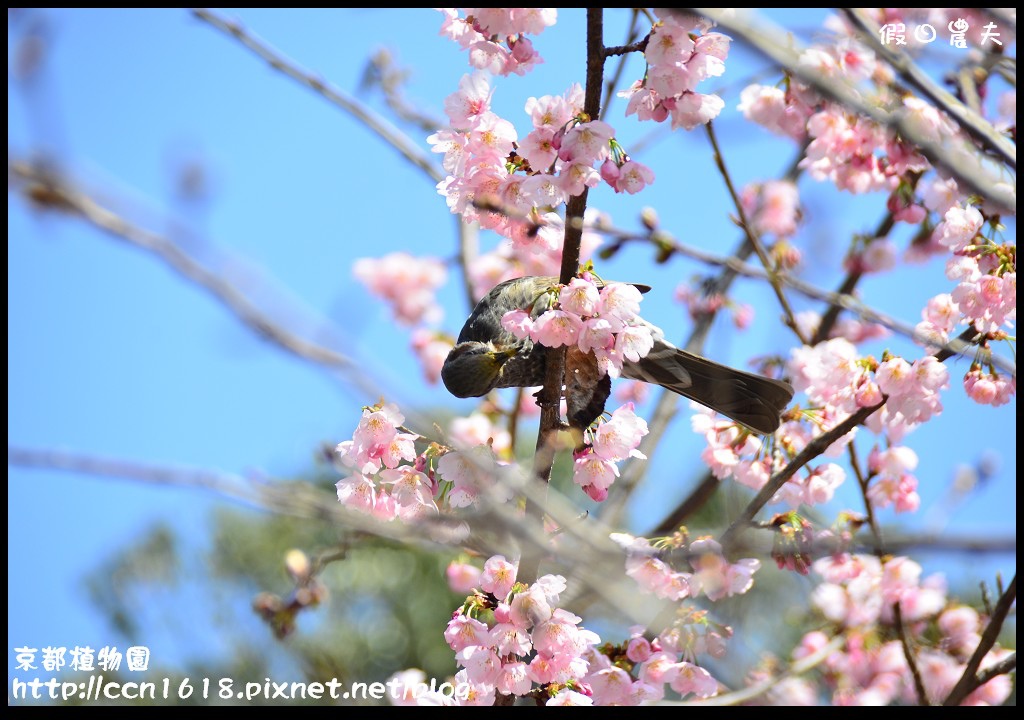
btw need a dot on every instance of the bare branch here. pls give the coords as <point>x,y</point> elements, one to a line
<point>548,399</point>
<point>841,300</point>
<point>387,131</point>
<point>47,190</point>
<point>908,654</point>
<point>752,238</point>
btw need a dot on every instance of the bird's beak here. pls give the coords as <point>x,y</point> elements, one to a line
<point>503,356</point>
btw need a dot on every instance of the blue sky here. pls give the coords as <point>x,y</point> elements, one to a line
<point>111,353</point>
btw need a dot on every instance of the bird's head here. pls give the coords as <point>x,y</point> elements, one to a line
<point>472,368</point>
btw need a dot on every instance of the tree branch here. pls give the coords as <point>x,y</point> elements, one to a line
<point>550,394</point>
<point>388,132</point>
<point>970,680</point>
<point>50,191</point>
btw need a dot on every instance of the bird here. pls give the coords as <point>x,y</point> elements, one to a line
<point>487,356</point>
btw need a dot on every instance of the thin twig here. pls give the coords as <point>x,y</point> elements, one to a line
<point>869,508</point>
<point>620,67</point>
<point>908,654</point>
<point>752,237</point>
<point>387,131</point>
<point>50,191</point>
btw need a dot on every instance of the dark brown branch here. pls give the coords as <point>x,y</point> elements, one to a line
<point>970,680</point>
<point>908,654</point>
<point>814,448</point>
<point>550,394</point>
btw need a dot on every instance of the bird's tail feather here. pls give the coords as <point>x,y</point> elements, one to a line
<point>753,400</point>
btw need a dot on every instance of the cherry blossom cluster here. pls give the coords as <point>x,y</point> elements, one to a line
<point>772,207</point>
<point>602,321</point>
<point>406,282</point>
<point>512,186</point>
<point>868,671</point>
<point>860,590</point>
<point>733,452</point>
<point>859,593</point>
<point>678,58</point>
<point>985,296</point>
<point>711,574</point>
<point>379,483</point>
<point>595,465</point>
<point>855,153</point>
<point>987,387</point>
<point>512,638</point>
<point>496,37</point>
<point>891,481</point>
<point>389,480</point>
<point>985,271</point>
<point>838,382</point>
<point>641,671</point>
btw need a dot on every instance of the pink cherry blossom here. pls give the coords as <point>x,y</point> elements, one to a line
<point>498,576</point>
<point>959,227</point>
<point>478,429</point>
<point>431,349</point>
<point>586,143</point>
<point>462,577</point>
<point>695,680</point>
<point>473,98</point>
<point>632,177</point>
<point>357,491</point>
<point>556,328</point>
<point>514,679</point>
<point>463,632</point>
<point>406,282</point>
<point>772,207</point>
<point>579,297</point>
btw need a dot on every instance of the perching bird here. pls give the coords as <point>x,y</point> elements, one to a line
<point>488,356</point>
